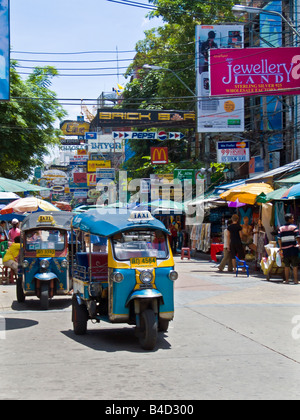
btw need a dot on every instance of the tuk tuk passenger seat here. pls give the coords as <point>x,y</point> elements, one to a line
<point>99,267</point>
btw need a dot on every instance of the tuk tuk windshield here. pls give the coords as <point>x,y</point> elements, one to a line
<point>129,244</point>
<point>45,239</point>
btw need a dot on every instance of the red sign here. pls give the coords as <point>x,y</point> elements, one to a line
<point>80,177</point>
<point>255,71</point>
<point>159,155</point>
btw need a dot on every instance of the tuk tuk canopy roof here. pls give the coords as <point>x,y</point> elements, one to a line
<point>56,219</point>
<point>106,223</point>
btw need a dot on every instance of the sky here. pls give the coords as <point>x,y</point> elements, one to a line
<point>70,26</point>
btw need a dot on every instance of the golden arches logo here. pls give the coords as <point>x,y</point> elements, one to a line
<point>159,155</point>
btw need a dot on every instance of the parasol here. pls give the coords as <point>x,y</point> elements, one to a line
<point>246,193</point>
<point>28,204</point>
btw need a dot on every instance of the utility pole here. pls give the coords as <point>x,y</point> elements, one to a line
<point>265,145</point>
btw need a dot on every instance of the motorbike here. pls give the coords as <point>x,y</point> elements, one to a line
<point>44,259</point>
<point>125,274</point>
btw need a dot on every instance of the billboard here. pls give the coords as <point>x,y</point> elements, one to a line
<point>255,71</point>
<point>4,50</point>
<point>233,151</point>
<point>108,117</point>
<point>216,114</point>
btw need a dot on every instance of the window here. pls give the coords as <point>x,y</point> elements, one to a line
<point>45,239</point>
<point>133,244</point>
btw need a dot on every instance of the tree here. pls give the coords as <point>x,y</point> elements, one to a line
<point>172,47</point>
<point>27,122</point>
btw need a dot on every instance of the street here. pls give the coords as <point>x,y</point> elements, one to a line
<point>232,338</point>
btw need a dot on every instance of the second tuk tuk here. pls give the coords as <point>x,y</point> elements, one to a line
<point>44,256</point>
<point>126,273</point>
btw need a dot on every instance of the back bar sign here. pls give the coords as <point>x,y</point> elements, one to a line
<point>146,118</point>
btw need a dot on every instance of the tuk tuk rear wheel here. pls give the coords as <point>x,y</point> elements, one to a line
<point>79,317</point>
<point>148,329</point>
<point>20,291</point>
<point>44,297</point>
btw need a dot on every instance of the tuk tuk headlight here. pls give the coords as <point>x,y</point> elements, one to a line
<point>117,277</point>
<point>64,263</point>
<point>44,263</point>
<point>146,276</point>
<point>25,264</point>
<point>173,275</point>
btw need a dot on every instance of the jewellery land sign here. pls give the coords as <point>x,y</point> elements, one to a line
<point>143,118</point>
<point>233,151</point>
<point>255,71</point>
<point>216,114</point>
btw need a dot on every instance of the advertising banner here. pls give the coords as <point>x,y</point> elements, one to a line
<point>233,151</point>
<point>143,118</point>
<point>255,71</point>
<point>147,135</point>
<point>4,50</point>
<point>105,144</point>
<point>159,155</point>
<point>216,114</point>
<point>94,164</point>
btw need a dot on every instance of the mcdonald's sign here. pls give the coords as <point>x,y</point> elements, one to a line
<point>159,155</point>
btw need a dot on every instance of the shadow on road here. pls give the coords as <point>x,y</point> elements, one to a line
<point>115,339</point>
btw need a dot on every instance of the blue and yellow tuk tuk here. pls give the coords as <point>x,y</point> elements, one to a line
<point>125,275</point>
<point>44,261</point>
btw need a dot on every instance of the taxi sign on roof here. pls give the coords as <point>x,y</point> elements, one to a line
<point>46,219</point>
<point>140,216</point>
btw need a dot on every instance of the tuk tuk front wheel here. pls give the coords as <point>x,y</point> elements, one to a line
<point>20,291</point>
<point>44,296</point>
<point>148,329</point>
<point>79,317</point>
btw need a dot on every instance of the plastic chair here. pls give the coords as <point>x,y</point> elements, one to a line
<point>188,253</point>
<point>3,248</point>
<point>241,264</point>
<point>8,275</point>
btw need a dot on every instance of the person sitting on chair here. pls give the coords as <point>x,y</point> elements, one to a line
<point>10,258</point>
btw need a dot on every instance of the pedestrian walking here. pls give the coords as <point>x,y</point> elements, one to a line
<point>226,250</point>
<point>289,239</point>
<point>236,247</point>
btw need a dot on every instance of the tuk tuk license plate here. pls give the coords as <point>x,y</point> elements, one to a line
<point>45,253</point>
<point>143,262</point>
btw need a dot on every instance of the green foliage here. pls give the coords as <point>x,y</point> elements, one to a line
<point>27,122</point>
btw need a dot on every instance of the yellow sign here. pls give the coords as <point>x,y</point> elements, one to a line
<point>46,219</point>
<point>45,253</point>
<point>74,128</point>
<point>94,164</point>
<point>143,262</point>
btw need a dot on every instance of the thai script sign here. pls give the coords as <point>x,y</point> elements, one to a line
<point>255,71</point>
